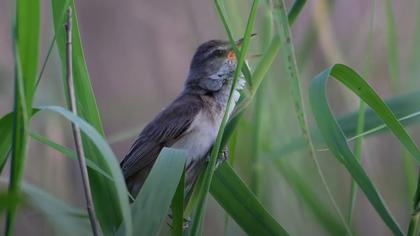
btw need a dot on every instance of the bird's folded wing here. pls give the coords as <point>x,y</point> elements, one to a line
<point>163,131</point>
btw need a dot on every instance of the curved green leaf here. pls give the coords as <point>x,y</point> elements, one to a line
<point>166,170</point>
<point>68,152</point>
<point>105,195</point>
<point>108,159</point>
<point>153,202</point>
<point>405,108</point>
<point>64,218</point>
<point>241,204</point>
<point>336,140</point>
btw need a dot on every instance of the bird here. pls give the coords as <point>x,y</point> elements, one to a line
<point>191,122</point>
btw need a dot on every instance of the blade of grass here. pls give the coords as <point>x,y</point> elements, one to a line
<point>6,129</point>
<point>395,81</point>
<point>404,107</point>
<point>256,167</point>
<point>52,43</point>
<point>26,34</point>
<point>381,127</point>
<point>8,200</point>
<point>289,58</point>
<point>391,34</point>
<point>178,207</point>
<point>153,202</point>
<point>259,109</point>
<point>111,165</point>
<point>265,63</point>
<point>322,214</point>
<point>64,218</point>
<point>70,153</point>
<point>295,10</point>
<point>361,116</point>
<point>336,141</point>
<point>208,174</point>
<point>112,209</point>
<point>241,204</point>
<point>413,70</point>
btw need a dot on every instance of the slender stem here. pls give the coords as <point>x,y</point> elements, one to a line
<point>361,114</point>
<point>296,92</point>
<point>76,130</point>
<point>295,10</point>
<point>208,174</point>
<point>51,47</point>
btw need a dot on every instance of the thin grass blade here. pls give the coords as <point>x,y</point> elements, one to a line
<point>152,204</point>
<point>110,166</point>
<point>336,141</point>
<point>26,34</point>
<point>111,208</point>
<point>208,174</point>
<point>235,197</point>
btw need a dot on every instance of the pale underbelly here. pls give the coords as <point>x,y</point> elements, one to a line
<point>196,143</point>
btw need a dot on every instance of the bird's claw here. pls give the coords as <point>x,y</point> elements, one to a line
<point>223,156</point>
<point>185,224</point>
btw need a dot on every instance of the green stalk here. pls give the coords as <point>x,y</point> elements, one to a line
<point>391,33</point>
<point>256,165</point>
<point>19,143</point>
<point>204,188</point>
<point>295,10</point>
<point>268,58</point>
<point>394,70</point>
<point>26,29</point>
<point>361,113</point>
<point>290,58</point>
<point>51,45</point>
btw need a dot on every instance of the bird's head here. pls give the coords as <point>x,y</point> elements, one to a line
<point>212,65</point>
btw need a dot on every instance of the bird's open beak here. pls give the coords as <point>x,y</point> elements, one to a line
<point>231,55</point>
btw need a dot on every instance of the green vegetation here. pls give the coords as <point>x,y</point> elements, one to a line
<point>292,170</point>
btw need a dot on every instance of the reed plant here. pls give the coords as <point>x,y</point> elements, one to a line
<point>286,143</point>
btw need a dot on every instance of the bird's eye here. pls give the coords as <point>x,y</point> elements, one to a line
<point>219,52</point>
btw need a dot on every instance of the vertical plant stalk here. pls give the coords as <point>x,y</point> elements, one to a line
<point>394,71</point>
<point>415,220</point>
<point>208,174</point>
<point>265,35</point>
<point>361,116</point>
<point>290,58</point>
<point>25,39</point>
<point>19,149</point>
<point>76,130</point>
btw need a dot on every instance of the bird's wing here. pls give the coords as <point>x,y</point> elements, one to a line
<point>164,130</point>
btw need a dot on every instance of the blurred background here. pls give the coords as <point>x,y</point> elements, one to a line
<point>138,53</point>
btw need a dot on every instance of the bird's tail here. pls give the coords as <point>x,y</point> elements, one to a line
<point>136,181</point>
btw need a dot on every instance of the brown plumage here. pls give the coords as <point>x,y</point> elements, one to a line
<point>190,122</point>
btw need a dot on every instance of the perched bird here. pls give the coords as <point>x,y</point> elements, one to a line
<point>191,121</point>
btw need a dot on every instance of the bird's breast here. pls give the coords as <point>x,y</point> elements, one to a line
<point>200,136</point>
<point>202,133</point>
